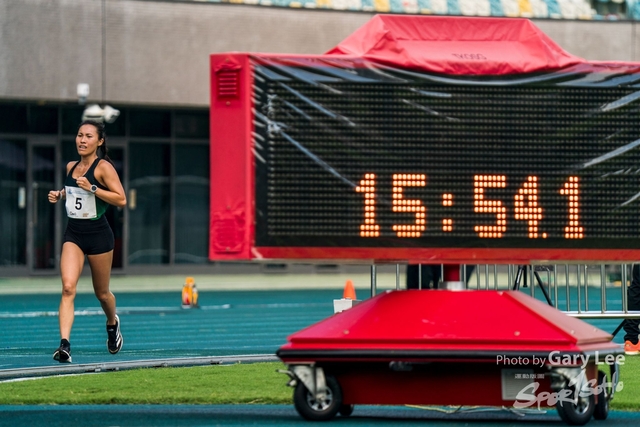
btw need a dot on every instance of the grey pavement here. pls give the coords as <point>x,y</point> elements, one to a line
<point>213,282</point>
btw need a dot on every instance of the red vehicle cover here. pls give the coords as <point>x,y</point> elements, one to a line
<point>415,324</point>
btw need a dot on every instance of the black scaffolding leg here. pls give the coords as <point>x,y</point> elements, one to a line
<point>522,272</point>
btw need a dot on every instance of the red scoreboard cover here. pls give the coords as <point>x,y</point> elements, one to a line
<point>455,45</point>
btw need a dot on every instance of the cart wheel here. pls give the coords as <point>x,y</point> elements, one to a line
<point>346,410</point>
<point>579,413</point>
<point>602,407</point>
<point>318,410</point>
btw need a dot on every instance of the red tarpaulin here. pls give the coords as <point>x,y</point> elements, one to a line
<point>456,45</point>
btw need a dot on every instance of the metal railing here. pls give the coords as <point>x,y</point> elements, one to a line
<point>583,290</point>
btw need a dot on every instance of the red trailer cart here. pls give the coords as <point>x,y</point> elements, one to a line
<point>445,347</point>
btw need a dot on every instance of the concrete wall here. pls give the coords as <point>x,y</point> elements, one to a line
<point>157,52</point>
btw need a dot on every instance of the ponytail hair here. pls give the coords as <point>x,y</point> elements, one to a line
<point>102,149</point>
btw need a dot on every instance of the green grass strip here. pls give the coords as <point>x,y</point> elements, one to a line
<point>217,384</point>
<point>254,383</point>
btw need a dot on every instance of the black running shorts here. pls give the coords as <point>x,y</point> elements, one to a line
<point>93,237</point>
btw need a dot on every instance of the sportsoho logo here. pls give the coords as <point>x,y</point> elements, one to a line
<point>572,366</point>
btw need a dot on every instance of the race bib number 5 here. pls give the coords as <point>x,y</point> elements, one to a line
<point>80,204</point>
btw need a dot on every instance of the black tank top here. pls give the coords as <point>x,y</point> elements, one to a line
<point>70,181</point>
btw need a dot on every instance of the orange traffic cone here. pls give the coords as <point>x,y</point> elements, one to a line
<point>349,291</point>
<point>348,298</point>
<point>189,294</point>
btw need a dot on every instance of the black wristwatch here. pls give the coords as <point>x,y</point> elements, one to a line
<point>94,188</point>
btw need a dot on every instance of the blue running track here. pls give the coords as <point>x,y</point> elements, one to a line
<point>229,323</point>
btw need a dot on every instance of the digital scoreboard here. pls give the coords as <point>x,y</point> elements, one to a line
<point>340,159</point>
